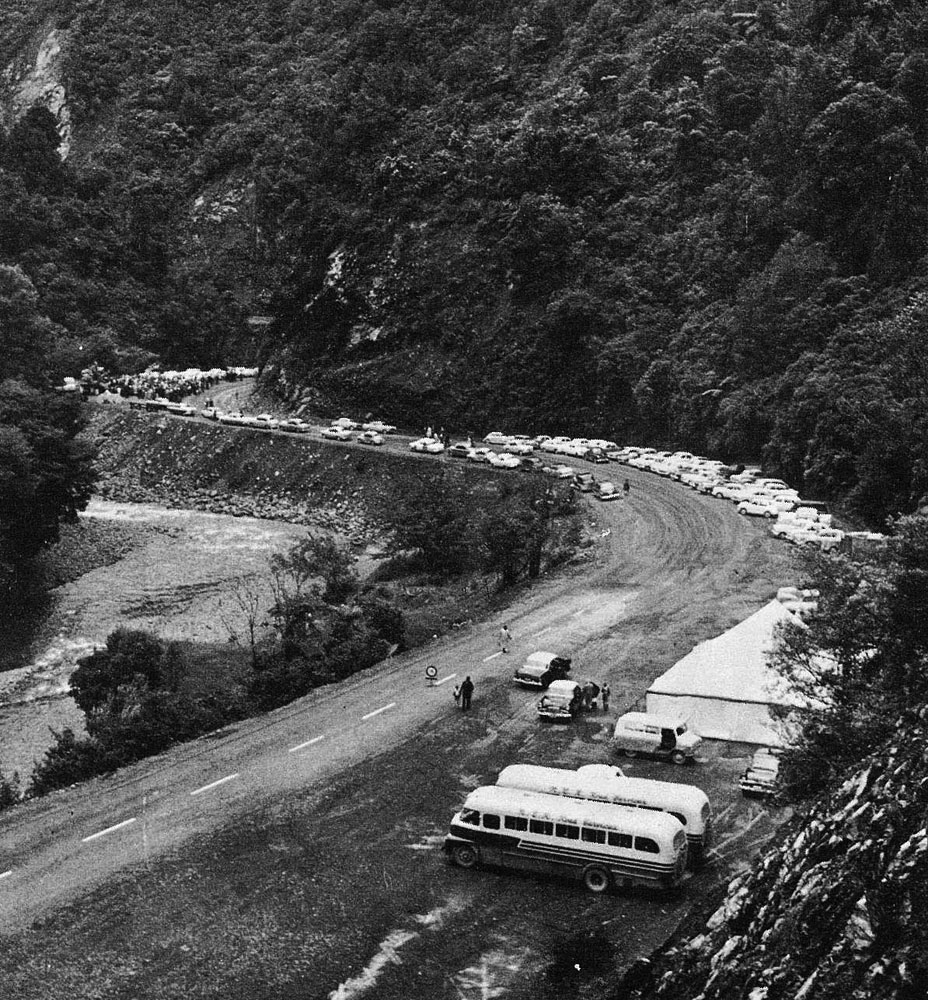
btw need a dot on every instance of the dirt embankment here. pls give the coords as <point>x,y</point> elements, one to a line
<point>145,458</point>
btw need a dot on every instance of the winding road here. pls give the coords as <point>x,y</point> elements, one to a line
<point>298,854</point>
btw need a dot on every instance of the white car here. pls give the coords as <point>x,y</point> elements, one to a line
<point>732,491</point>
<point>378,426</point>
<point>514,447</point>
<point>370,437</point>
<point>501,460</point>
<point>294,425</point>
<point>554,444</point>
<point>266,421</point>
<point>480,454</point>
<point>564,472</point>
<point>346,422</point>
<point>497,437</point>
<point>782,503</point>
<point>429,446</point>
<point>337,433</point>
<point>757,507</point>
<point>607,491</point>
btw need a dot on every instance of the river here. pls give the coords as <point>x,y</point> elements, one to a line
<point>179,582</point>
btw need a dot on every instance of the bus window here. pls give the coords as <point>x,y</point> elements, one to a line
<point>567,830</point>
<point>515,823</point>
<point>470,816</point>
<point>490,821</point>
<point>680,817</point>
<point>593,836</point>
<point>647,845</point>
<point>619,839</point>
<point>541,826</point>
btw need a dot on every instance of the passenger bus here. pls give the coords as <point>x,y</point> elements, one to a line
<point>599,843</point>
<point>603,783</point>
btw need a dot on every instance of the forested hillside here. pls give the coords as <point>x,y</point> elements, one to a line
<point>700,223</point>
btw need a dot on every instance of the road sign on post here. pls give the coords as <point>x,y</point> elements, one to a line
<point>431,672</point>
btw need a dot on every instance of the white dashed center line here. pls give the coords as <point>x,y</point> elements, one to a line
<point>547,628</point>
<point>377,711</point>
<point>215,784</point>
<point>444,680</point>
<point>4,875</point>
<point>582,611</point>
<point>308,743</point>
<point>492,656</point>
<point>109,829</point>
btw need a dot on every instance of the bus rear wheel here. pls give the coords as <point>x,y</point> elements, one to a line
<point>465,855</point>
<point>596,879</point>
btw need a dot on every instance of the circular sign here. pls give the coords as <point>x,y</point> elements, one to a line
<point>431,672</point>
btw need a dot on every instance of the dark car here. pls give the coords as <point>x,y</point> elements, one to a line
<point>597,455</point>
<point>541,668</point>
<point>458,450</point>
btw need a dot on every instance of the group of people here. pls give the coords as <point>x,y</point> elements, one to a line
<point>441,435</point>
<point>464,692</point>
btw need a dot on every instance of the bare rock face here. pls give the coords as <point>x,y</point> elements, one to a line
<point>36,78</point>
<point>838,909</point>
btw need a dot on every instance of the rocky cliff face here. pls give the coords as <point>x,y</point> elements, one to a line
<point>35,78</point>
<point>839,909</point>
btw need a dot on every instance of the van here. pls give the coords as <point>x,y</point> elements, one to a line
<point>541,668</point>
<point>561,702</point>
<point>640,733</point>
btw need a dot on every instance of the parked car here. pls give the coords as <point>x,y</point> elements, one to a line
<point>561,702</point>
<point>294,425</point>
<point>378,426</point>
<point>607,491</point>
<point>760,777</point>
<point>428,446</point>
<point>337,433</point>
<point>479,454</point>
<point>503,460</point>
<point>460,449</point>
<point>564,472</point>
<point>531,463</point>
<point>640,733</point>
<point>757,507</point>
<point>541,668</point>
<point>514,447</point>
<point>370,437</point>
<point>585,482</point>
<point>266,421</point>
<point>496,437</point>
<point>597,455</point>
<point>346,422</point>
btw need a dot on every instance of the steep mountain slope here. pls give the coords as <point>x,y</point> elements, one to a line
<point>838,910</point>
<point>701,222</point>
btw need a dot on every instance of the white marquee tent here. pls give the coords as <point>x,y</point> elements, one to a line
<point>724,687</point>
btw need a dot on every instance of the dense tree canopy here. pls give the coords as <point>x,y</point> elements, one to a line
<point>638,218</point>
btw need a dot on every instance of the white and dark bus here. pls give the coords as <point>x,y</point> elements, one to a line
<point>599,843</point>
<point>604,783</point>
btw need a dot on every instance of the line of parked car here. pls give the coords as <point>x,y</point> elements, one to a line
<point>802,522</point>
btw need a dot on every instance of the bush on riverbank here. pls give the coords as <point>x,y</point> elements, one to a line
<point>9,791</point>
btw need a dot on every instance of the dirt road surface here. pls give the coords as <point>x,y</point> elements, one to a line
<point>298,854</point>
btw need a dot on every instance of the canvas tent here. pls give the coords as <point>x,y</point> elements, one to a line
<point>724,687</point>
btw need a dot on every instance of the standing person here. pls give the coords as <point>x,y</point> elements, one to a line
<point>428,431</point>
<point>467,692</point>
<point>604,694</point>
<point>626,487</point>
<point>446,440</point>
<point>504,639</point>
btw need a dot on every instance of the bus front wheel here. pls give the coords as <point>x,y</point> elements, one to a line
<point>678,757</point>
<point>465,855</point>
<point>596,879</point>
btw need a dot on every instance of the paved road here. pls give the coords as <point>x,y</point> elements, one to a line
<point>672,568</point>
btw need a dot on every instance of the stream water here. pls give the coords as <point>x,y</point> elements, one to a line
<point>179,582</point>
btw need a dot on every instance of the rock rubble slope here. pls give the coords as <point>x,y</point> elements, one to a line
<point>838,909</point>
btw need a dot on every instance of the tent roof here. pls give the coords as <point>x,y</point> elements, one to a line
<point>733,666</point>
